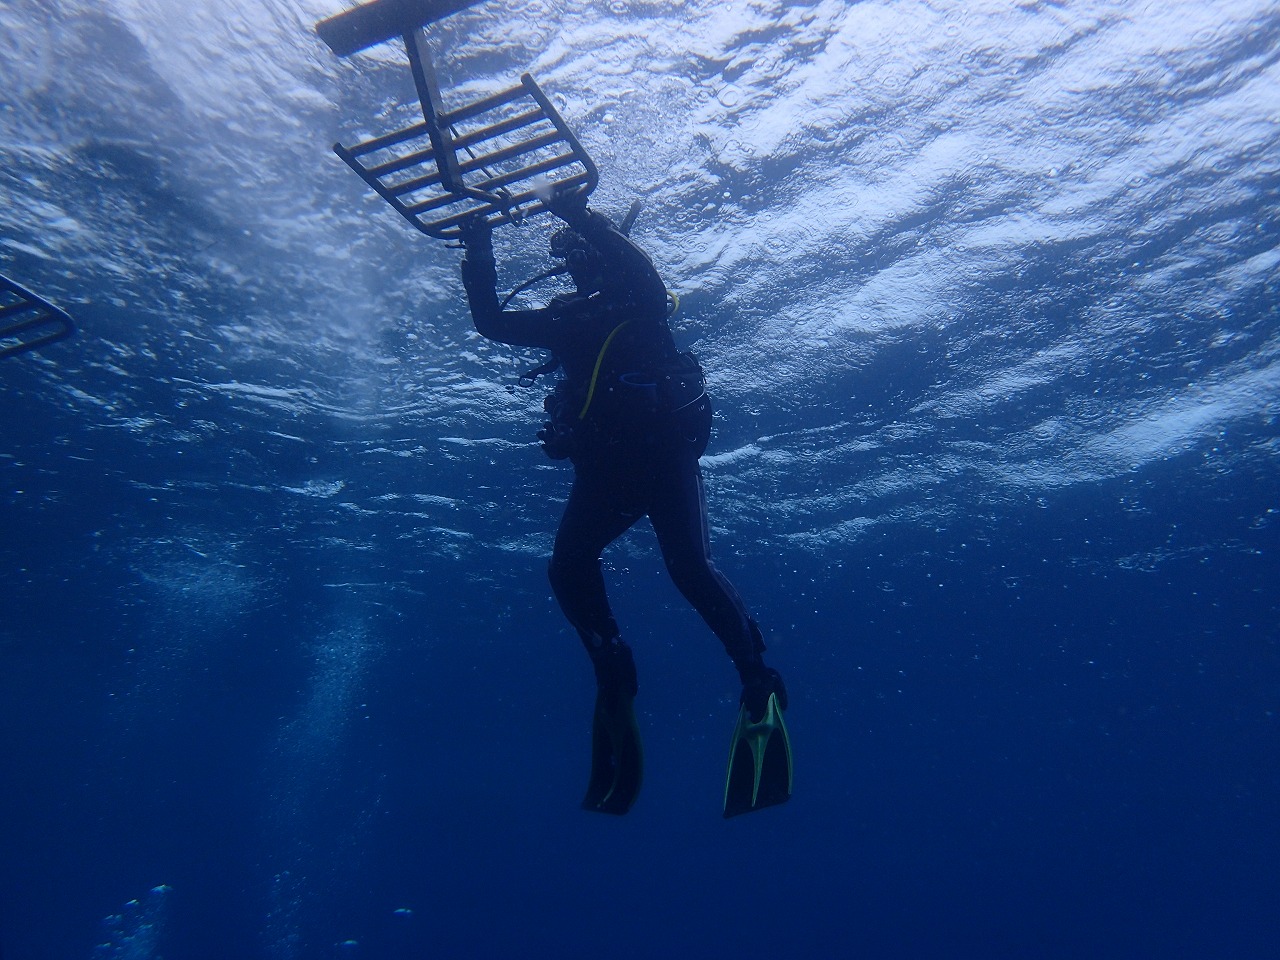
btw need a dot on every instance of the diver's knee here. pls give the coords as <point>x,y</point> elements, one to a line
<point>565,568</point>
<point>690,578</point>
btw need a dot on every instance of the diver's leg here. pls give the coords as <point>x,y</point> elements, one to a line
<point>760,769</point>
<point>592,520</point>
<point>678,511</point>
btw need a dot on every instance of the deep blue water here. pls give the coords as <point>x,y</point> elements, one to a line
<point>988,298</point>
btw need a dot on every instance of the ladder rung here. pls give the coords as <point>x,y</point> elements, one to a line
<point>12,308</point>
<point>401,163</point>
<point>482,106</point>
<point>388,139</point>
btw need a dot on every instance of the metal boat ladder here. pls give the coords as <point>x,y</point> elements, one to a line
<point>28,321</point>
<point>495,158</point>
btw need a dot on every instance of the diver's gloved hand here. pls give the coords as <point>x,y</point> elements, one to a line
<point>476,234</point>
<point>570,205</point>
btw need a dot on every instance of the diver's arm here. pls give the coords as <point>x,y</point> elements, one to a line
<point>480,277</point>
<point>521,328</point>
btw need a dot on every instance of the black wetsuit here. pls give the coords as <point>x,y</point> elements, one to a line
<point>640,418</point>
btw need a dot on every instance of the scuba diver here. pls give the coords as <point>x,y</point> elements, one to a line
<point>631,412</point>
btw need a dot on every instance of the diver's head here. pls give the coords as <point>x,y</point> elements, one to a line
<point>581,259</point>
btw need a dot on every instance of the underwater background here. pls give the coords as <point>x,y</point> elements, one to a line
<point>987,296</point>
